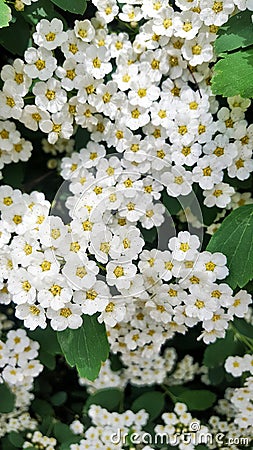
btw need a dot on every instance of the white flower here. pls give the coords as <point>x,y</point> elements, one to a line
<point>96,61</point>
<point>58,127</point>
<point>184,246</point>
<point>49,35</point>
<point>55,293</point>
<point>40,63</point>
<point>114,312</point>
<point>186,24</point>
<point>143,92</point>
<point>214,264</point>
<point>240,304</point>
<point>84,30</point>
<point>80,273</point>
<point>76,427</point>
<point>215,12</point>
<point>177,182</point>
<point>49,96</point>
<point>67,317</point>
<point>32,315</point>
<point>15,80</point>
<point>235,365</point>
<point>32,117</point>
<point>198,305</point>
<point>207,173</point>
<point>220,195</point>
<point>198,49</point>
<point>94,299</point>
<point>11,104</point>
<point>120,274</point>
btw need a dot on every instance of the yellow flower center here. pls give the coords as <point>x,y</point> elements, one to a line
<point>118,271</point>
<point>50,37</point>
<point>65,312</point>
<point>55,290</point>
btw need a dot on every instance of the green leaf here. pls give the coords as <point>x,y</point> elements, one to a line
<point>5,14</point>
<point>234,238</point>
<point>76,6</point>
<point>47,360</point>
<point>7,399</point>
<point>243,327</point>
<point>66,445</point>
<point>13,174</point>
<point>85,347</point>
<point>47,339</point>
<point>236,33</point>
<point>8,36</point>
<point>62,432</point>
<point>42,9</point>
<point>59,398</point>
<point>107,398</point>
<point>198,399</point>
<point>216,353</point>
<point>233,75</point>
<point>216,375</point>
<point>42,408</point>
<point>152,402</point>
<point>16,439</point>
<point>171,203</point>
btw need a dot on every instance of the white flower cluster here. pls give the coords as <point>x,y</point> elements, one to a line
<point>107,428</point>
<point>242,400</point>
<point>37,440</point>
<point>97,263</point>
<point>141,371</point>
<point>150,99</point>
<point>229,433</point>
<point>178,425</point>
<point>237,365</point>
<point>13,147</point>
<point>18,369</point>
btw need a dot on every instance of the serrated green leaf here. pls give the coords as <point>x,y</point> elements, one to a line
<point>233,75</point>
<point>152,402</point>
<point>216,353</point>
<point>85,347</point>
<point>234,238</point>
<point>76,6</point>
<point>107,398</point>
<point>7,399</point>
<point>8,36</point>
<point>5,14</point>
<point>236,33</point>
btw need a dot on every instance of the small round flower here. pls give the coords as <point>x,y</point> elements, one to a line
<point>184,246</point>
<point>49,35</point>
<point>67,317</point>
<point>235,365</point>
<point>40,63</point>
<point>220,195</point>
